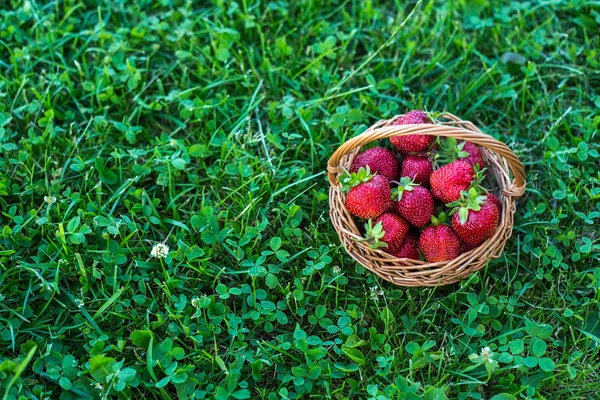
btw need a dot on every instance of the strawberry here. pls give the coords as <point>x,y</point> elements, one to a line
<point>414,202</point>
<point>450,150</point>
<point>448,181</point>
<point>412,143</point>
<point>379,160</point>
<point>408,249</point>
<point>418,168</point>
<point>475,157</point>
<point>492,198</point>
<point>467,247</point>
<point>389,231</point>
<point>439,242</point>
<point>474,218</point>
<point>368,195</point>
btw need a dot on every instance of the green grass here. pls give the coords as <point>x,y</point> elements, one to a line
<point>208,127</point>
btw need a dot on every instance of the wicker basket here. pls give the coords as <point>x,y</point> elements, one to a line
<point>406,272</point>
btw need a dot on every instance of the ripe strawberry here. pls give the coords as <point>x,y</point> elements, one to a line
<point>408,249</point>
<point>379,160</point>
<point>474,218</point>
<point>368,195</point>
<point>439,243</point>
<point>418,168</point>
<point>475,157</point>
<point>467,247</point>
<point>492,198</point>
<point>389,231</point>
<point>448,181</point>
<point>414,202</point>
<point>412,143</point>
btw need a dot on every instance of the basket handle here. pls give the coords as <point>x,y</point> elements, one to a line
<point>380,131</point>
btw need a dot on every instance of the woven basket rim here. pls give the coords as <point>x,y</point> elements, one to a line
<point>501,160</point>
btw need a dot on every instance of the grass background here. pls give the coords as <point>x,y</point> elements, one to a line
<point>208,125</point>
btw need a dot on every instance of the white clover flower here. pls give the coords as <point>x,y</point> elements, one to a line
<point>50,199</point>
<point>485,358</point>
<point>160,250</point>
<point>79,302</point>
<point>336,270</point>
<point>196,302</point>
<point>486,353</point>
<point>376,292</point>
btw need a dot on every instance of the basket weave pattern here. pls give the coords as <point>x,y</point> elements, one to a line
<point>501,161</point>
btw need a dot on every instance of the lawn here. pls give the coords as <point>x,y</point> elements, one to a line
<point>202,130</point>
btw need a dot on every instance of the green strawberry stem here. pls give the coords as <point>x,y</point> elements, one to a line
<point>433,116</point>
<point>476,183</point>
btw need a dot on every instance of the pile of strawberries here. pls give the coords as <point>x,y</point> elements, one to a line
<point>432,203</point>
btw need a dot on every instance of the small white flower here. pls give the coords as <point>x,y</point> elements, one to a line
<point>376,292</point>
<point>196,302</point>
<point>98,386</point>
<point>50,199</point>
<point>160,250</point>
<point>336,270</point>
<point>79,302</point>
<point>486,353</point>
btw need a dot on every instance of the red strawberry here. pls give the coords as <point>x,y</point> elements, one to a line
<point>475,218</point>
<point>439,243</point>
<point>414,202</point>
<point>379,160</point>
<point>467,247</point>
<point>412,143</point>
<point>390,229</point>
<point>408,249</point>
<point>448,181</point>
<point>475,157</point>
<point>418,168</point>
<point>368,195</point>
<point>492,198</point>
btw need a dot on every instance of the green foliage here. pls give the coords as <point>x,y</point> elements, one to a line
<point>202,130</point>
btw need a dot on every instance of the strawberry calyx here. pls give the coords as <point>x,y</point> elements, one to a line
<point>471,200</point>
<point>449,150</point>
<point>348,180</point>
<point>439,220</point>
<point>373,235</point>
<point>405,184</point>
<point>433,116</point>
